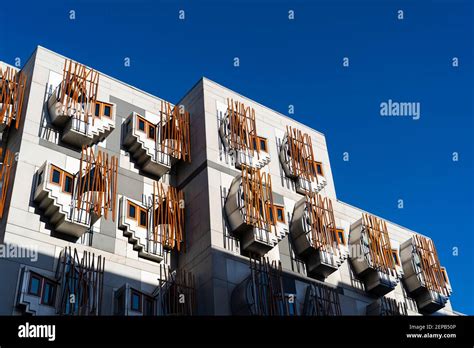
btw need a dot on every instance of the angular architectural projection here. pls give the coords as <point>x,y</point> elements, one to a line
<point>251,212</point>
<point>12,92</point>
<point>156,227</point>
<point>424,277</point>
<point>313,231</point>
<point>81,279</point>
<point>73,201</point>
<point>371,255</point>
<point>238,132</point>
<point>158,142</point>
<point>186,230</point>
<point>74,108</point>
<point>297,160</point>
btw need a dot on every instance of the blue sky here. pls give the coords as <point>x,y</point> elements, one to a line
<point>299,62</point>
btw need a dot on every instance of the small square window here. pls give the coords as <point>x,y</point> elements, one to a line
<point>68,183</point>
<point>151,132</point>
<point>49,293</point>
<point>56,176</point>
<point>141,124</point>
<point>107,110</point>
<point>132,211</point>
<point>136,301</point>
<point>34,288</point>
<point>143,218</point>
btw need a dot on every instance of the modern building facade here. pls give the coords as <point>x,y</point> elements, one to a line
<point>216,205</point>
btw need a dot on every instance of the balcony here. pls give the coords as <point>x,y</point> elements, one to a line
<point>73,202</point>
<point>157,143</point>
<point>12,92</point>
<point>313,231</point>
<point>237,130</point>
<point>297,159</point>
<point>251,214</point>
<point>425,279</point>
<point>371,255</point>
<point>74,109</point>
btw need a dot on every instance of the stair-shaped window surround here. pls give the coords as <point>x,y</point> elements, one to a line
<point>154,228</point>
<point>371,255</point>
<point>37,293</point>
<point>74,109</point>
<point>74,201</point>
<point>12,92</point>
<point>238,132</point>
<point>298,161</point>
<point>157,142</point>
<point>316,238</point>
<point>426,280</point>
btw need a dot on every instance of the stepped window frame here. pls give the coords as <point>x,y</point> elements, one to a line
<point>100,109</point>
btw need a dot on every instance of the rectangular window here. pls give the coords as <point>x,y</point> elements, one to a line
<point>149,306</point>
<point>34,287</point>
<point>395,257</point>
<point>136,301</point>
<point>49,293</point>
<point>319,168</point>
<point>132,210</point>
<point>143,217</point>
<point>280,213</point>
<point>56,176</point>
<point>263,144</point>
<point>151,131</point>
<point>338,236</point>
<point>107,110</point>
<point>97,110</point>
<point>141,124</point>
<point>445,276</point>
<point>68,183</point>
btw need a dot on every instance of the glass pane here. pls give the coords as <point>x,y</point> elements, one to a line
<point>263,145</point>
<point>280,214</point>
<point>341,237</point>
<point>131,211</point>
<point>141,125</point>
<point>68,184</point>
<point>107,110</point>
<point>97,109</point>
<point>151,132</point>
<point>143,217</point>
<point>56,176</point>
<point>34,285</point>
<point>135,301</point>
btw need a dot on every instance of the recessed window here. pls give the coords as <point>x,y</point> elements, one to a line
<point>396,260</point>
<point>280,213</point>
<point>97,109</point>
<point>132,210</point>
<point>107,110</point>
<point>143,218</point>
<point>68,182</point>
<point>151,131</point>
<point>263,144</point>
<point>136,301</point>
<point>445,276</point>
<point>141,124</point>
<point>34,287</point>
<point>49,293</point>
<point>319,168</point>
<point>338,236</point>
<point>55,176</point>
<point>149,306</point>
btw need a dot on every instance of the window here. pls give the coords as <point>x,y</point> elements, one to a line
<point>338,236</point>
<point>97,110</point>
<point>68,183</point>
<point>396,260</point>
<point>151,131</point>
<point>141,124</point>
<point>280,213</point>
<point>136,301</point>
<point>318,166</point>
<point>263,144</point>
<point>55,176</point>
<point>445,276</point>
<point>107,110</point>
<point>34,287</point>
<point>143,218</point>
<point>132,210</point>
<point>49,293</point>
<point>149,306</point>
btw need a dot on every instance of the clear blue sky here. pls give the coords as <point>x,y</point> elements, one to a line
<point>299,62</point>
